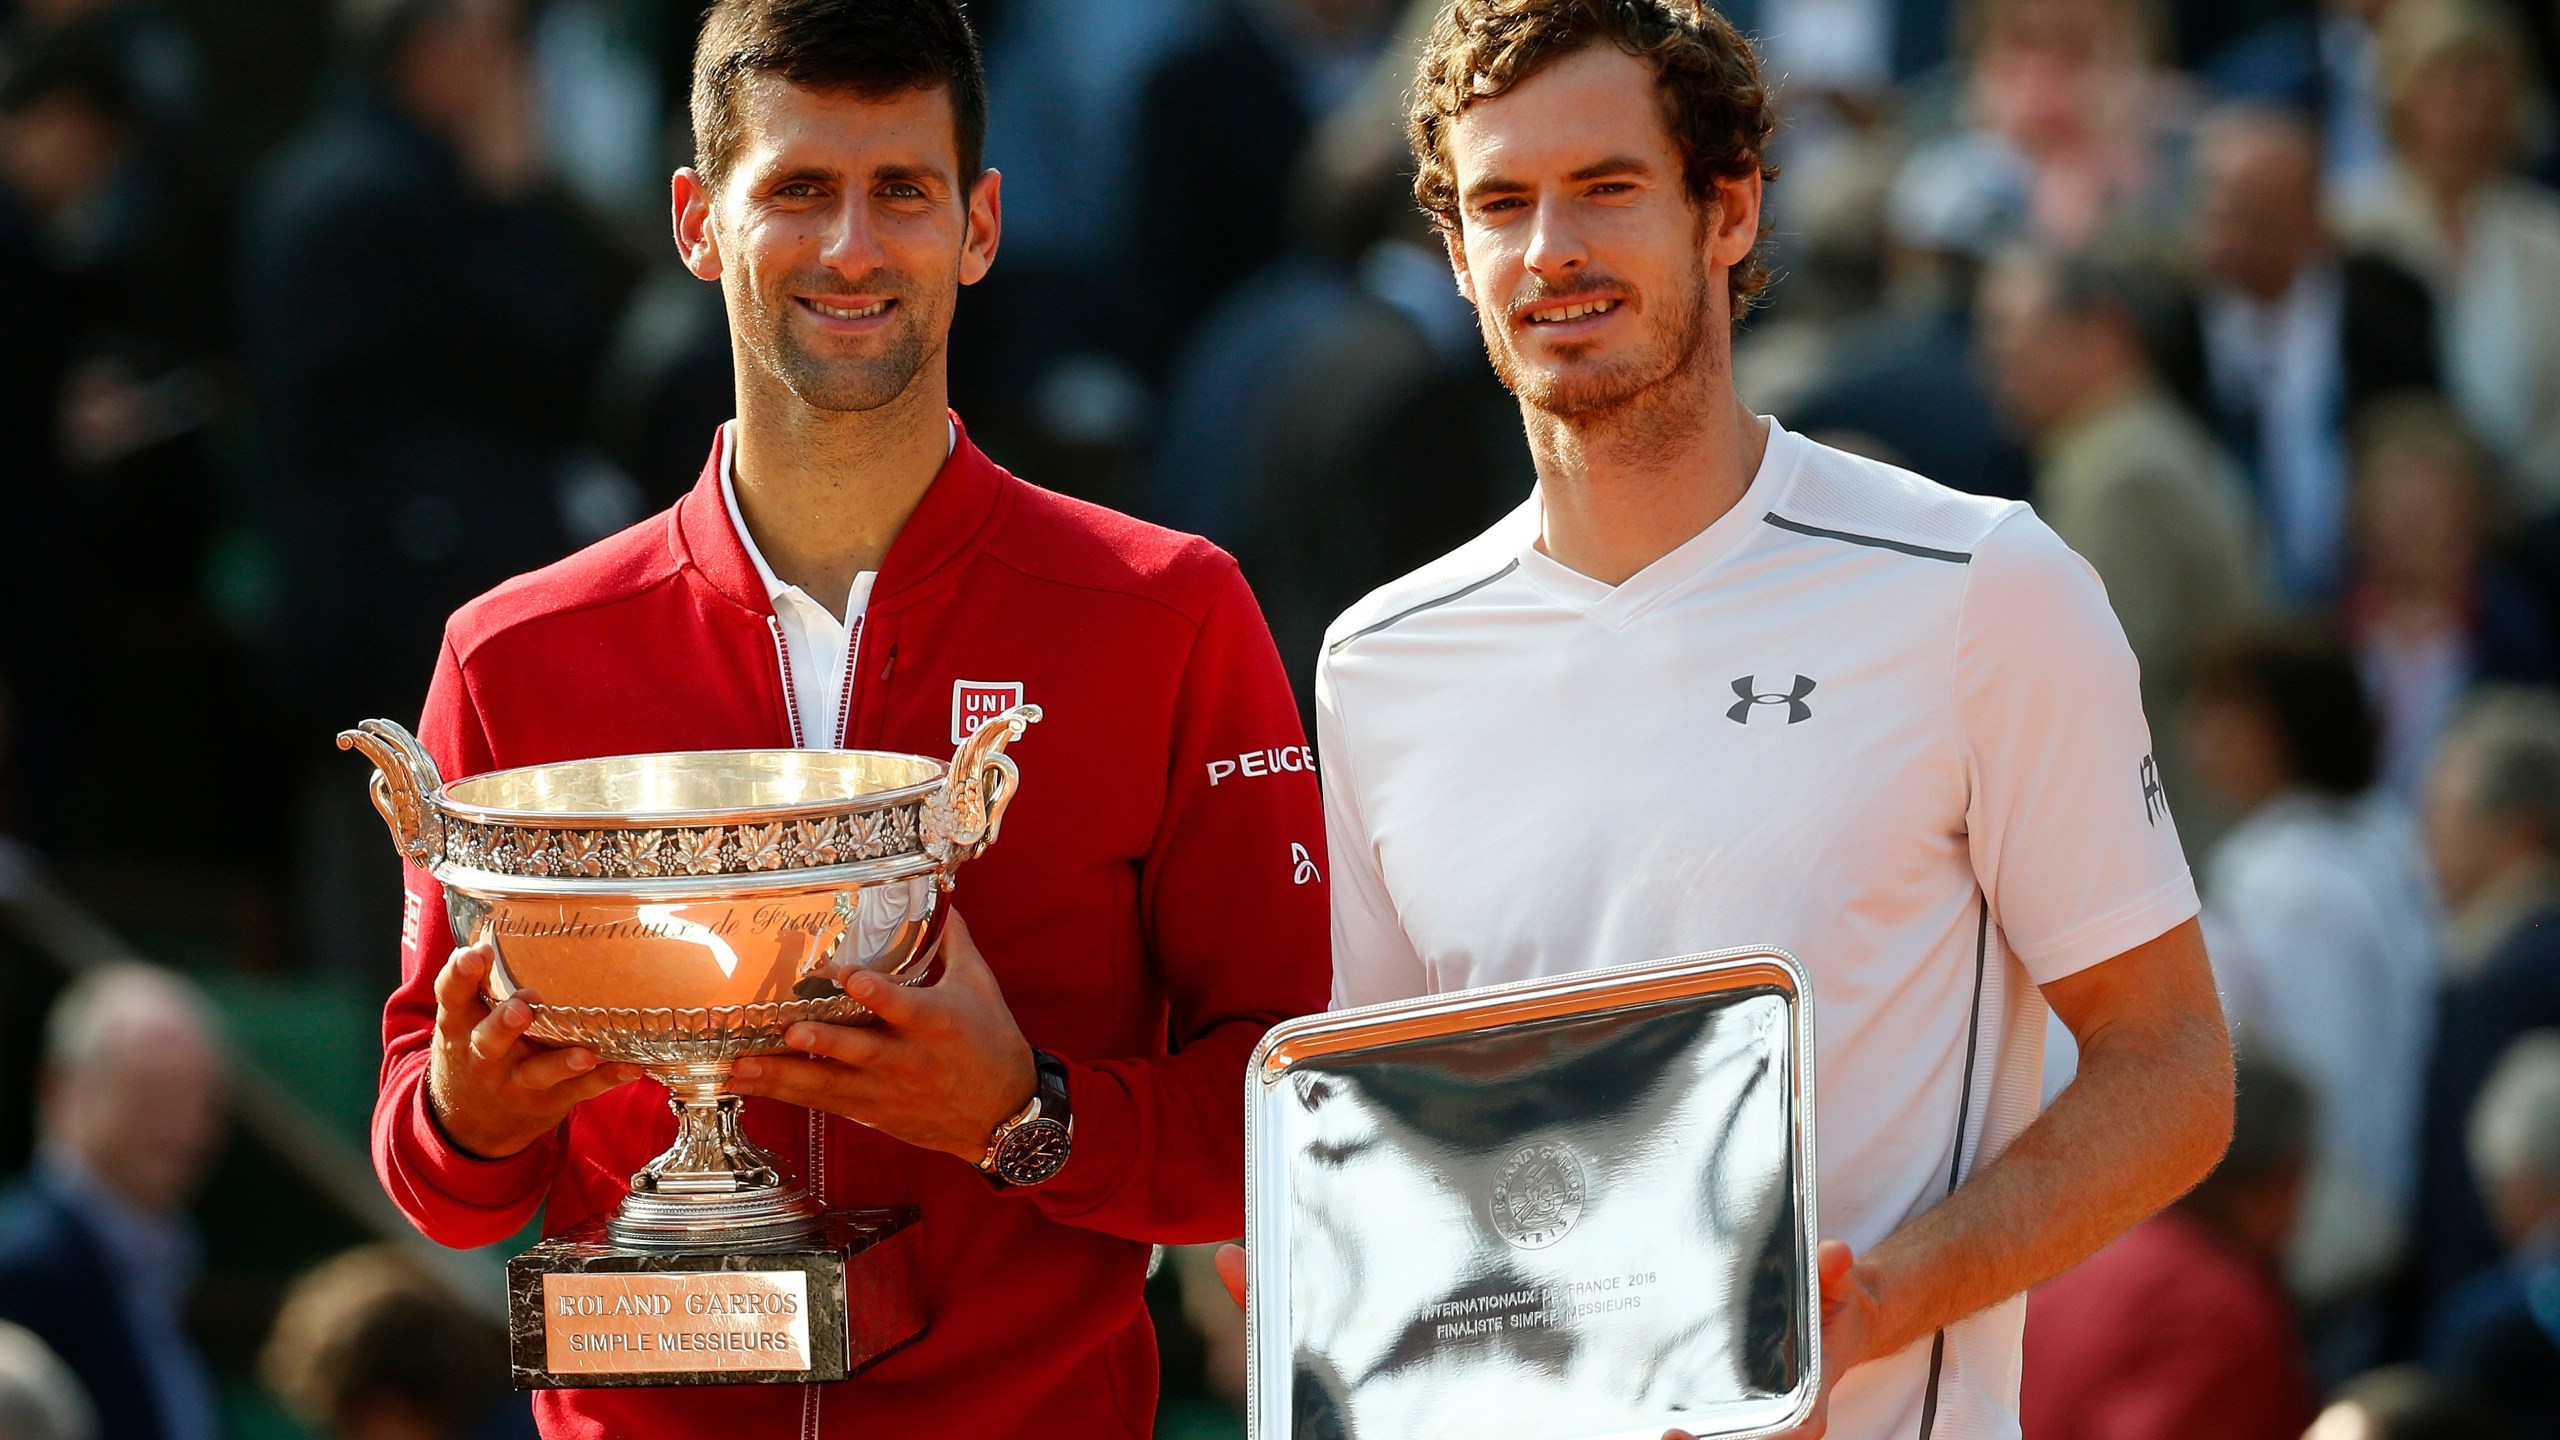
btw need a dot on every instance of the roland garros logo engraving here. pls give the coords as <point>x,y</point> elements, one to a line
<point>1539,1196</point>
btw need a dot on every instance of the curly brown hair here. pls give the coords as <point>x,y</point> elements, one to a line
<point>1719,112</point>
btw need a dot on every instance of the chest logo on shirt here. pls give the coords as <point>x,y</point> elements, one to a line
<point>975,702</point>
<point>1748,687</point>
<point>1538,1197</point>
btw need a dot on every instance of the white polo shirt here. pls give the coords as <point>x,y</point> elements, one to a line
<point>1892,728</point>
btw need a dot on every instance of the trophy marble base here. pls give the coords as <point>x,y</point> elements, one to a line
<point>582,1311</point>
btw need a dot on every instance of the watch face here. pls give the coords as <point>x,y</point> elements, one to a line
<point>1033,1152</point>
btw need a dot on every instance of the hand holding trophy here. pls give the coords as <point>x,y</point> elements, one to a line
<point>673,914</point>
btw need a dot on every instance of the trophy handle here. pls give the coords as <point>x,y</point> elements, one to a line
<point>962,818</point>
<point>406,786</point>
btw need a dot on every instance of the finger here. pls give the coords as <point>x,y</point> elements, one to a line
<point>1230,1263</point>
<point>1832,1259</point>
<point>815,1084</point>
<point>899,1007</point>
<point>844,1044</point>
<point>963,960</point>
<point>496,1037</point>
<point>542,1069</point>
<point>596,1082</point>
<point>459,1005</point>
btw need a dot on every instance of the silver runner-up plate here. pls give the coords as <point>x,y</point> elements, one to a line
<point>1578,1208</point>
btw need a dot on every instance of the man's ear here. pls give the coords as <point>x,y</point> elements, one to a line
<point>1458,262</point>
<point>696,245</point>
<point>986,223</point>
<point>1734,227</point>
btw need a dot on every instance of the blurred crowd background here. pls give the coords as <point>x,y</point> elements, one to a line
<point>317,318</point>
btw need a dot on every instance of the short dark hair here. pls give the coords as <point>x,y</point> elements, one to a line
<point>1719,112</point>
<point>2308,683</point>
<point>876,48</point>
<point>367,1326</point>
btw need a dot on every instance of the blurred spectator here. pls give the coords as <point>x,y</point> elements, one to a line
<point>2318,59</point>
<point>423,324</point>
<point>2454,212</point>
<point>2181,1330</point>
<point>2430,612</point>
<point>1902,382</point>
<point>2499,1335</point>
<point>96,1252</point>
<point>40,1399</point>
<point>2069,117</point>
<point>2493,830</point>
<point>2321,927</point>
<point>113,494</point>
<point>2293,338</point>
<point>154,59</point>
<point>1066,82</point>
<point>367,1347</point>
<point>1212,193</point>
<point>1334,423</point>
<point>423,321</point>
<point>2404,1403</point>
<point>2123,474</point>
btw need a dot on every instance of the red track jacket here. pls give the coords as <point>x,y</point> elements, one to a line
<point>1159,877</point>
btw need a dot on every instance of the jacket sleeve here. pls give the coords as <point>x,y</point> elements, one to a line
<point>453,1197</point>
<point>1232,903</point>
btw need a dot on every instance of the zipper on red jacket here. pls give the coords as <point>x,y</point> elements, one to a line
<point>844,698</point>
<point>782,662</point>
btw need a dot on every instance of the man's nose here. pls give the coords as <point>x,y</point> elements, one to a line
<point>1555,246</point>
<point>852,246</point>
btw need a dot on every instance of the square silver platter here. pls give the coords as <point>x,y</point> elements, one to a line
<point>1577,1208</point>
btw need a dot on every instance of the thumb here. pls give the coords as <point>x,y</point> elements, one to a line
<point>1831,1259</point>
<point>963,961</point>
<point>1230,1263</point>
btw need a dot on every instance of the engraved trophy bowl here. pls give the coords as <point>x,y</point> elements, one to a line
<point>678,911</point>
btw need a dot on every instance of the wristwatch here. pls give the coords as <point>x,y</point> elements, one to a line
<point>1033,1145</point>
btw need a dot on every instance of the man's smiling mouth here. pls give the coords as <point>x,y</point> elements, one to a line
<point>1576,311</point>
<point>842,312</point>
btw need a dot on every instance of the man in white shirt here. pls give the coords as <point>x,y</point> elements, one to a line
<point>1715,684</point>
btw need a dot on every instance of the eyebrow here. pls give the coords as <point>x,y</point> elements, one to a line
<point>931,174</point>
<point>1612,165</point>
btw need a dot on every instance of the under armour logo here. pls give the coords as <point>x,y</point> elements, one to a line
<point>1306,872</point>
<point>2155,803</point>
<point>1748,687</point>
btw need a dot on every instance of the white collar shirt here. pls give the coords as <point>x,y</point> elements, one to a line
<point>818,648</point>
<point>1893,729</point>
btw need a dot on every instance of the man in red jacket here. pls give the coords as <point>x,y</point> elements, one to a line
<point>852,571</point>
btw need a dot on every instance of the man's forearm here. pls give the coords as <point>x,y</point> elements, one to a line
<point>2148,1115</point>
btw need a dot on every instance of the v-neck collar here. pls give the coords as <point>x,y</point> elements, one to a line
<point>1617,606</point>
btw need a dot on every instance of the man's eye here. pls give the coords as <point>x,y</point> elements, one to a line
<point>902,192</point>
<point>797,190</point>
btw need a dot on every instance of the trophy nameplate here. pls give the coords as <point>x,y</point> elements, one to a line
<point>1578,1208</point>
<point>583,1311</point>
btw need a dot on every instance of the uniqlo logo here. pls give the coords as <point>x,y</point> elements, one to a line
<point>412,912</point>
<point>975,702</point>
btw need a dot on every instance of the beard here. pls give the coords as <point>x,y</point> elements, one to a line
<point>1673,339</point>
<point>843,381</point>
